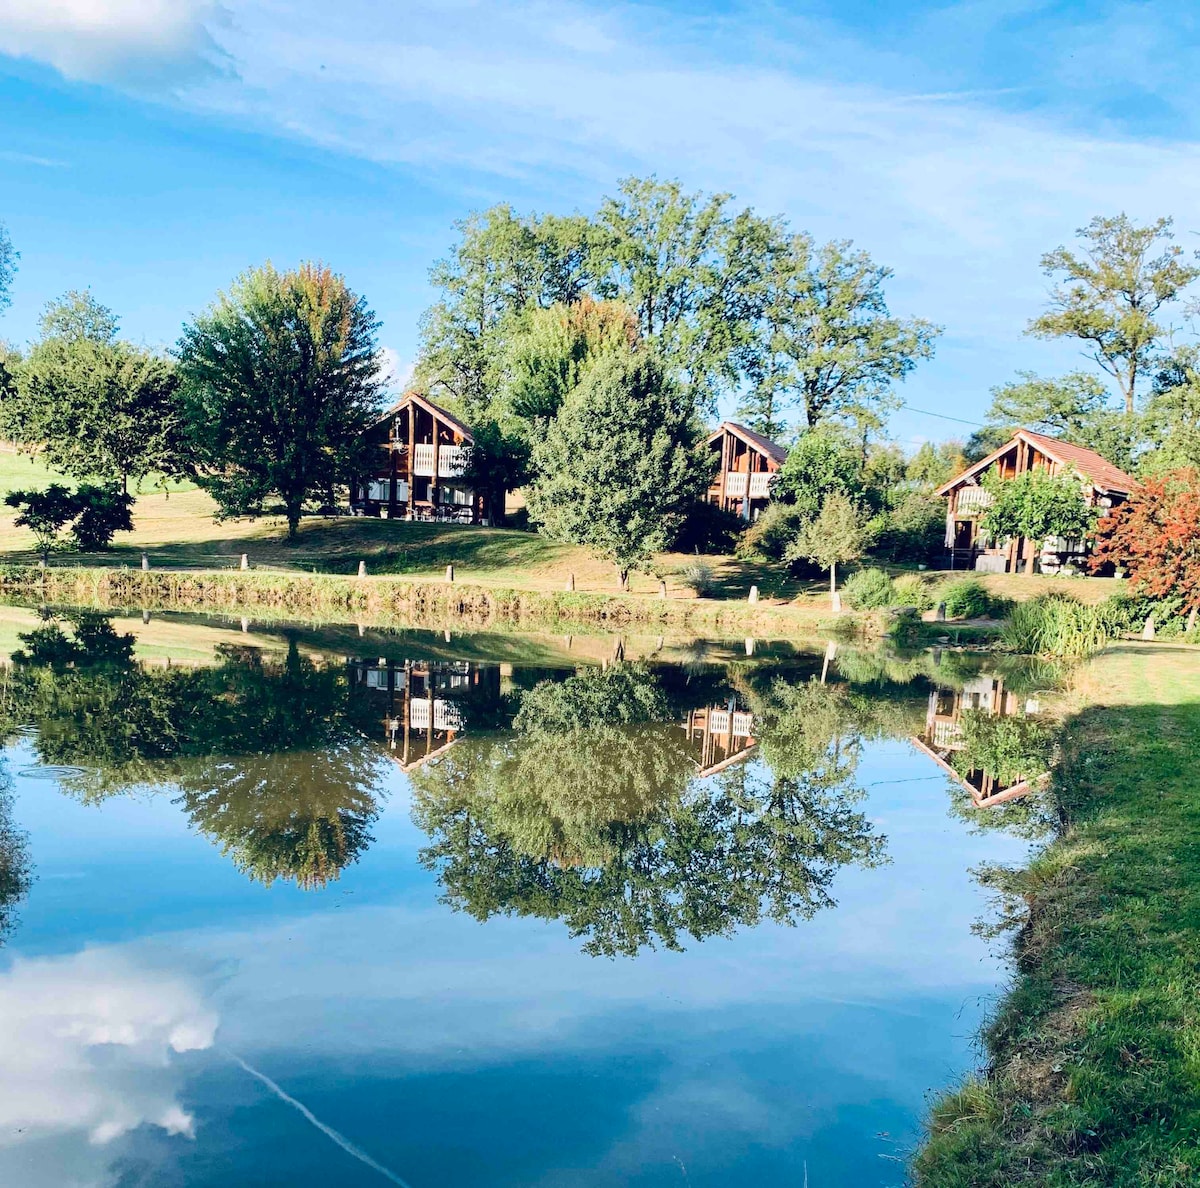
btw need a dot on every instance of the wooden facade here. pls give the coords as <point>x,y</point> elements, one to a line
<point>943,735</point>
<point>747,460</point>
<point>724,735</point>
<point>1103,485</point>
<point>419,453</point>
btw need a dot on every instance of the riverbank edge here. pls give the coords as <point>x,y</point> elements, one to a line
<point>1093,1055</point>
<point>388,600</point>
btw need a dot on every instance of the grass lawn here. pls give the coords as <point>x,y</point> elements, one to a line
<point>1095,1053</point>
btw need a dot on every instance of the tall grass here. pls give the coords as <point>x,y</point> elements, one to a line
<point>1059,625</point>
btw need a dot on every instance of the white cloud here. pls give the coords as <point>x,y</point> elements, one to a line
<point>132,41</point>
<point>85,1044</point>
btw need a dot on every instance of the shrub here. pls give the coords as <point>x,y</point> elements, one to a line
<point>915,530</point>
<point>1058,625</point>
<point>699,578</point>
<point>1006,748</point>
<point>709,529</point>
<point>910,590</point>
<point>966,598</point>
<point>768,537</point>
<point>868,589</point>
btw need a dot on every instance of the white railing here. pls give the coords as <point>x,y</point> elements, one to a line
<point>760,485</point>
<point>718,721</point>
<point>947,735</point>
<point>735,484</point>
<point>446,715</point>
<point>972,499</point>
<point>743,724</point>
<point>452,460</point>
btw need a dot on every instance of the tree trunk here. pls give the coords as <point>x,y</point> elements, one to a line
<point>622,578</point>
<point>833,579</point>
<point>293,521</point>
<point>1031,545</point>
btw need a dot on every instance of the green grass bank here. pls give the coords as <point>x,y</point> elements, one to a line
<point>1093,1072</point>
<point>392,600</point>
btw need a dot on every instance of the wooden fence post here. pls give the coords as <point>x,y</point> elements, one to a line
<point>362,569</point>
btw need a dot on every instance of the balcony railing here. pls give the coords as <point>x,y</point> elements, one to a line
<point>452,460</point>
<point>735,484</point>
<point>972,499</point>
<point>760,485</point>
<point>446,715</point>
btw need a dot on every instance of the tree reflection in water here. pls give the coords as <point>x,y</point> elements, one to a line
<point>262,751</point>
<point>605,826</point>
<point>15,873</point>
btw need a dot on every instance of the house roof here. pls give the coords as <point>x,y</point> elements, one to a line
<point>1098,470</point>
<point>756,441</point>
<point>428,405</point>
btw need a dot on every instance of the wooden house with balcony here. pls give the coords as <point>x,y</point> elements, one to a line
<point>418,453</point>
<point>943,735</point>
<point>1104,486</point>
<point>720,736</point>
<point>745,462</point>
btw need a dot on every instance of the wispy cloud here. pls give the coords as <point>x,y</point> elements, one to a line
<point>32,159</point>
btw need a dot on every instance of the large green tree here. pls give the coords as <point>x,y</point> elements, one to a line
<point>1037,505</point>
<point>1171,419</point>
<point>8,265</point>
<point>829,346</point>
<point>621,463</point>
<point>1109,294</point>
<point>280,378</point>
<point>91,404</point>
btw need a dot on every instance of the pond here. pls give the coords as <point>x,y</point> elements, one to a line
<point>305,907</point>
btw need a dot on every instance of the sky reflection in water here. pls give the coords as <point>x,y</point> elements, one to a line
<point>151,956</point>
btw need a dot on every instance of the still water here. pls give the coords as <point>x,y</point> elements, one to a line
<point>295,907</point>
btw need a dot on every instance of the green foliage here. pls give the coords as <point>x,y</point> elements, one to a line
<point>498,462</point>
<point>1009,748</point>
<point>280,378</point>
<point>1037,505</point>
<point>830,347</point>
<point>868,589</point>
<point>15,868</point>
<point>708,528</point>
<point>92,405</point>
<point>837,535</point>
<point>621,464</point>
<point>911,590</point>
<point>984,441</point>
<point>618,696</point>
<point>94,512</point>
<point>768,538</point>
<point>1058,625</point>
<point>934,464</point>
<point>913,531</point>
<point>821,463</point>
<point>1108,295</point>
<point>8,266</point>
<point>967,598</point>
<point>1171,421</point>
<point>699,578</point>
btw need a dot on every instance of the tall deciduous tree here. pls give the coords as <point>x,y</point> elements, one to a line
<point>621,463</point>
<point>830,347</point>
<point>1037,505</point>
<point>280,378</point>
<point>1171,421</point>
<point>91,404</point>
<point>1157,535</point>
<point>1109,294</point>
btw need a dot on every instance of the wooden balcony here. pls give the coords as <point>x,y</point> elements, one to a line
<point>971,501</point>
<point>452,460</point>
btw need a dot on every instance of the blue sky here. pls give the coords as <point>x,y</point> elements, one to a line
<point>153,148</point>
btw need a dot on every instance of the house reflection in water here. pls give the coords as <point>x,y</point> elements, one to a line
<point>422,703</point>
<point>944,734</point>
<point>723,735</point>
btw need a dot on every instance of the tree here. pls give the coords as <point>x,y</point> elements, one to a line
<point>92,405</point>
<point>622,462</point>
<point>1108,295</point>
<point>45,513</point>
<point>503,265</point>
<point>1157,535</point>
<point>830,346</point>
<point>1037,505</point>
<point>8,266</point>
<point>836,536</point>
<point>822,461</point>
<point>1171,421</point>
<point>932,465</point>
<point>102,510</point>
<point>1074,408</point>
<point>498,462</point>
<point>280,379</point>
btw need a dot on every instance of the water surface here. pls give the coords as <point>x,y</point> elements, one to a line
<point>312,908</point>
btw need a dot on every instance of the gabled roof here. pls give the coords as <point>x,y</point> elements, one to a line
<point>1098,470</point>
<point>756,441</point>
<point>428,405</point>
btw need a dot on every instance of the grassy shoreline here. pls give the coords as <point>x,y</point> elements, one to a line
<point>1093,1073</point>
<point>385,599</point>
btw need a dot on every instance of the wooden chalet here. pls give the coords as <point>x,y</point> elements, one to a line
<point>420,702</point>
<point>722,735</point>
<point>419,454</point>
<point>944,735</point>
<point>747,460</point>
<point>1104,486</point>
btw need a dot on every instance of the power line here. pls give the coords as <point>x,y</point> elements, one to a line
<point>926,412</point>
